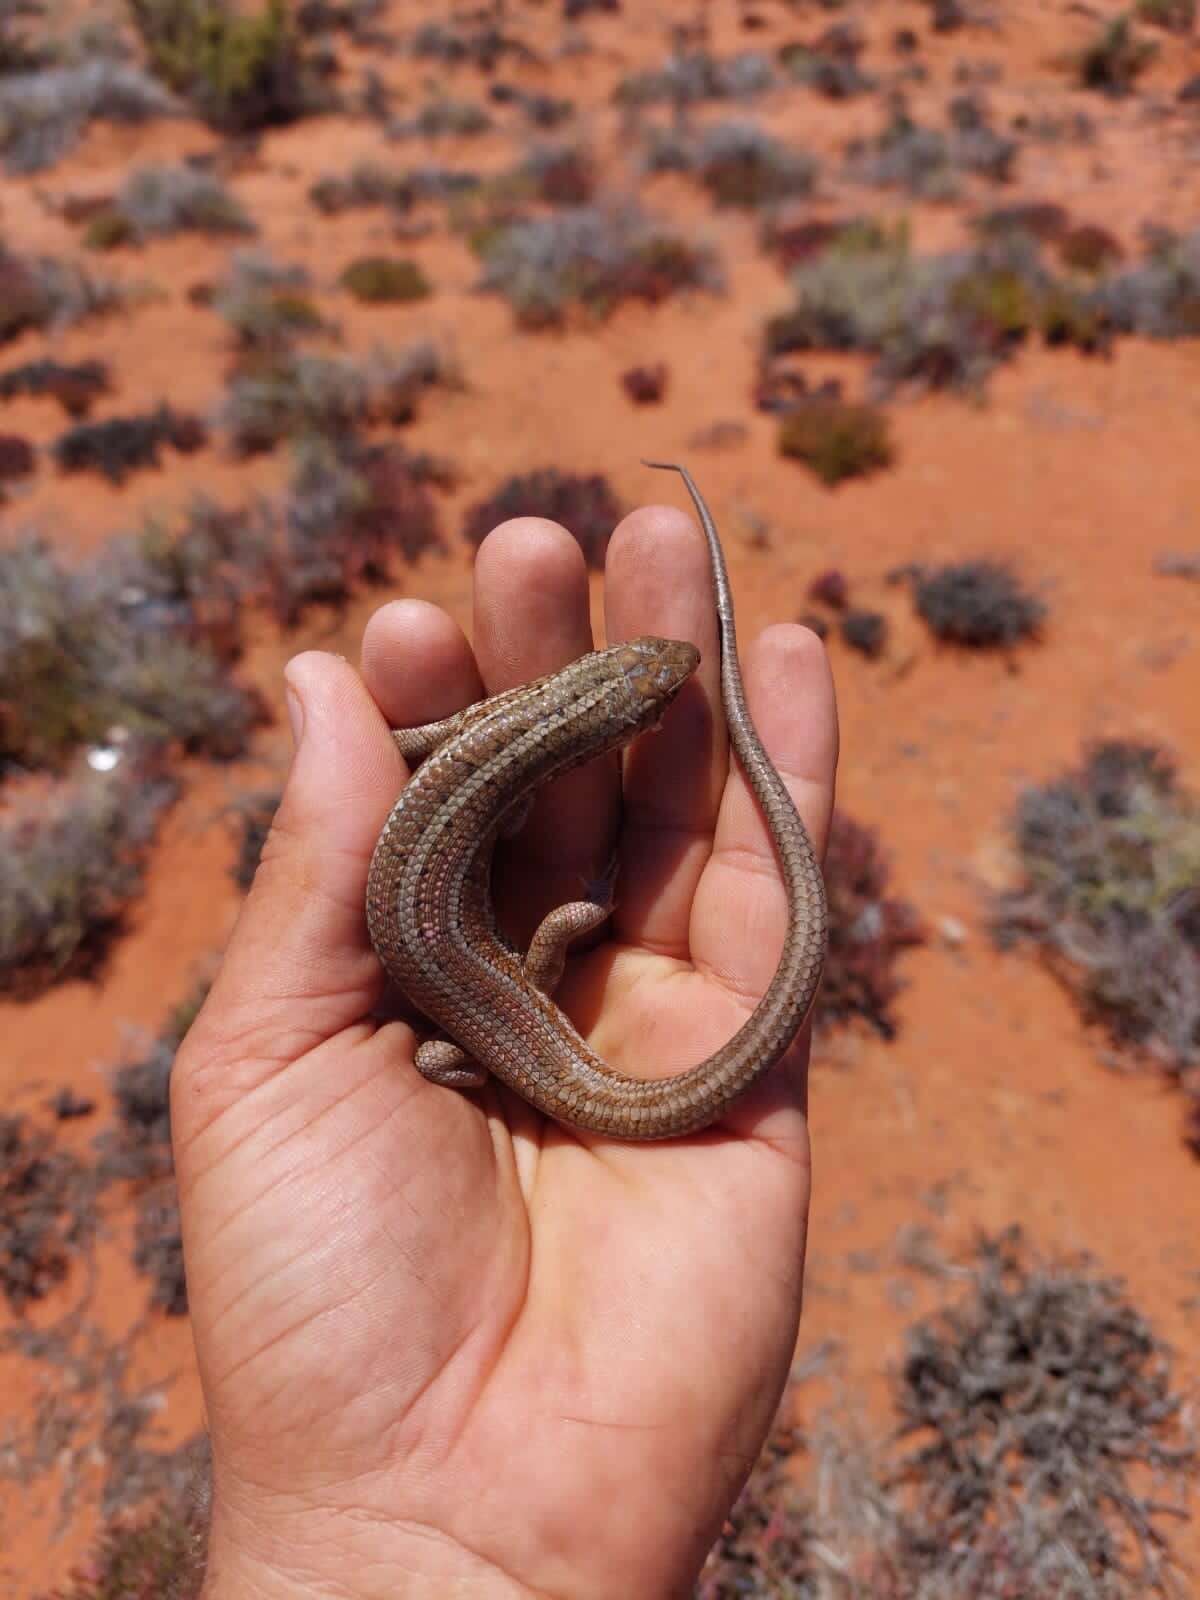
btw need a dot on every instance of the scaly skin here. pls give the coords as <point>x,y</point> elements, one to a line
<point>430,917</point>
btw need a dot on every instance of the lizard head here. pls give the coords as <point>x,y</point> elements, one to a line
<point>655,671</point>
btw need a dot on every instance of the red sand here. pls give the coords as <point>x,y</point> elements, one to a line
<point>993,1096</point>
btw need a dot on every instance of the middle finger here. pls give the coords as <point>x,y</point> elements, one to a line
<point>532,617</point>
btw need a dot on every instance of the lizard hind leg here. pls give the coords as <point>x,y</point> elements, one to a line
<point>442,1061</point>
<point>547,953</point>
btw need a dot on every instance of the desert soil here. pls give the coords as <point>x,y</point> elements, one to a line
<point>993,1103</point>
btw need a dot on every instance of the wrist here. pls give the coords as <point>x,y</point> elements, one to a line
<point>350,1560</point>
<point>238,1580</point>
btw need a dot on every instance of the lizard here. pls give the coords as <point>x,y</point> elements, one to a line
<point>429,909</point>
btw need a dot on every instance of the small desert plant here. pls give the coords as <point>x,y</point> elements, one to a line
<point>240,69</point>
<point>350,510</point>
<point>42,292</point>
<point>545,112</point>
<point>867,930</point>
<point>765,1549</point>
<point>360,20</point>
<point>196,576</point>
<point>793,241</point>
<point>740,164</point>
<point>366,184</point>
<point>17,457</point>
<point>559,174</point>
<point>865,631</point>
<point>837,439</point>
<point>121,445</point>
<point>265,304</point>
<point>947,16</point>
<point>272,321</point>
<point>975,146</point>
<point>21,48</point>
<point>998,296</point>
<point>1048,127</point>
<point>690,77</point>
<point>69,870</point>
<point>47,1202</point>
<point>107,230</point>
<point>479,42</point>
<point>1111,857</point>
<point>585,506</point>
<point>138,1151</point>
<point>43,114</point>
<point>1176,16</point>
<point>853,293</point>
<point>159,1553</point>
<point>156,201</point>
<point>485,213</point>
<point>830,65</point>
<point>1178,564</point>
<point>977,603</point>
<point>1048,1437</point>
<point>905,155</point>
<point>944,321</point>
<point>1075,320</point>
<point>111,649</point>
<point>830,588</point>
<point>441,118</point>
<point>928,163</point>
<point>1088,248</point>
<point>1040,219</point>
<point>1160,297</point>
<point>75,387</point>
<point>384,280</point>
<point>255,814</point>
<point>1036,1403</point>
<point>591,258</point>
<point>645,386</point>
<point>158,1249</point>
<point>297,395</point>
<point>435,182</point>
<point>1114,59</point>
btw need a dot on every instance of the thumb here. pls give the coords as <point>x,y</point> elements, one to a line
<point>299,966</point>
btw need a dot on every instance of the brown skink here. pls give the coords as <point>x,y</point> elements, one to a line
<point>428,893</point>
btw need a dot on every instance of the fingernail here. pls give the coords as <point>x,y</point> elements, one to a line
<point>295,711</point>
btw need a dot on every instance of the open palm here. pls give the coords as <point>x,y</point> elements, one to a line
<point>449,1347</point>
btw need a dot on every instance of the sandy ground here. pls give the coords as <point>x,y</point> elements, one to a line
<point>993,1104</point>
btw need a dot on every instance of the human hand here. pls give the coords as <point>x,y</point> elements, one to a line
<point>448,1347</point>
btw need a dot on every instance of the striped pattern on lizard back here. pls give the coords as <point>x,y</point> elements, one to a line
<point>428,900</point>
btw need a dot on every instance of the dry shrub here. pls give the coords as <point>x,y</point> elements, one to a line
<point>979,604</point>
<point>867,930</point>
<point>47,1204</point>
<point>1051,1455</point>
<point>592,258</point>
<point>75,386</point>
<point>69,870</point>
<point>121,445</point>
<point>1111,860</point>
<point>241,69</point>
<point>837,439</point>
<point>128,647</point>
<point>584,505</point>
